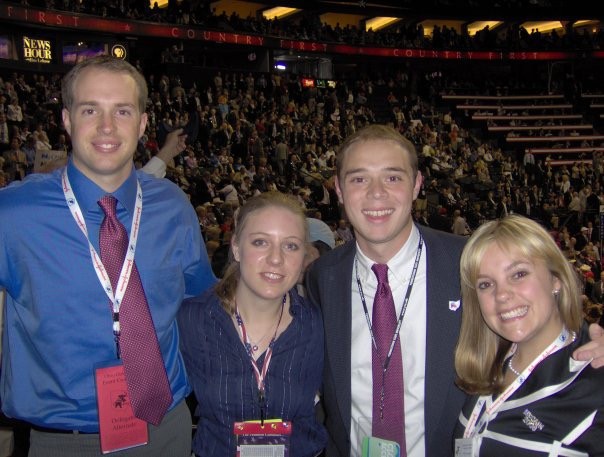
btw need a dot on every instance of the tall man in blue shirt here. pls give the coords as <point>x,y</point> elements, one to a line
<point>59,319</point>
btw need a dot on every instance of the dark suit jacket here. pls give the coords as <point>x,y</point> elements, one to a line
<point>329,284</point>
<point>597,294</point>
<point>502,210</point>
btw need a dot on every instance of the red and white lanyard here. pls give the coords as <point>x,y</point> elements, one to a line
<point>259,373</point>
<point>114,296</point>
<point>473,422</point>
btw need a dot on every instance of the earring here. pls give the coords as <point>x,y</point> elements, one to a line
<point>555,292</point>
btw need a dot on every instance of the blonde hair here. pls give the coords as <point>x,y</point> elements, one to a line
<point>105,63</point>
<point>226,287</point>
<point>376,132</point>
<point>480,351</point>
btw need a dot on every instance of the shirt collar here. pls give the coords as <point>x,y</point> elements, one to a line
<point>396,265</point>
<point>89,193</point>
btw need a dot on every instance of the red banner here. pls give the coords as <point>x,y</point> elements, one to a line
<point>68,20</point>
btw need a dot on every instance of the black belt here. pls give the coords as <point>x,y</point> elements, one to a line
<point>60,431</point>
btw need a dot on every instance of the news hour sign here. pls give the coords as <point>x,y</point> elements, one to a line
<point>36,50</point>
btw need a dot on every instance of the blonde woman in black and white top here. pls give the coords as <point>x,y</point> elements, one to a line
<point>522,320</point>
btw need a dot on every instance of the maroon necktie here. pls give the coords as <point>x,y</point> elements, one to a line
<point>148,386</point>
<point>388,401</point>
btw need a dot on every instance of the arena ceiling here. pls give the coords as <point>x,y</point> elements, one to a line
<point>453,13</point>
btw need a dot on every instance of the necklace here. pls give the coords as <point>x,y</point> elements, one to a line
<point>257,343</point>
<point>512,369</point>
<point>249,344</point>
<point>573,336</point>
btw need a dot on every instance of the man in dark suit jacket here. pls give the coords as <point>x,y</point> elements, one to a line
<point>582,239</point>
<point>503,208</point>
<point>597,291</point>
<point>382,166</point>
<point>330,284</point>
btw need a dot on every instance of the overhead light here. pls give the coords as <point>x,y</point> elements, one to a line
<point>278,12</point>
<point>477,26</point>
<point>377,23</point>
<point>588,22</point>
<point>542,26</point>
<point>160,3</point>
<point>429,24</point>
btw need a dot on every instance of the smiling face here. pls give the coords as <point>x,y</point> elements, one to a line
<point>271,251</point>
<point>105,123</point>
<point>516,298</point>
<point>377,186</point>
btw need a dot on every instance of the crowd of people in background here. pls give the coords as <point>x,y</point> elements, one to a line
<point>249,133</point>
<point>254,133</point>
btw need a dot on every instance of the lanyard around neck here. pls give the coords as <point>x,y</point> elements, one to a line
<point>260,373</point>
<point>114,296</point>
<point>418,255</point>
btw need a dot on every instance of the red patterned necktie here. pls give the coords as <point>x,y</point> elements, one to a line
<point>148,386</point>
<point>388,400</point>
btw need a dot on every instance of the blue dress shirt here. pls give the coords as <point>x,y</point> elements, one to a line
<point>224,383</point>
<point>58,317</point>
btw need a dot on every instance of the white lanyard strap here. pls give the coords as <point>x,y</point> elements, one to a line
<point>473,422</point>
<point>552,449</point>
<point>126,270</point>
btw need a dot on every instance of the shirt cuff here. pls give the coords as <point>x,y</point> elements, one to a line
<point>155,167</point>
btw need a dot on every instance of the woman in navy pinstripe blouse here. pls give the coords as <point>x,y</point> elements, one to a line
<point>252,346</point>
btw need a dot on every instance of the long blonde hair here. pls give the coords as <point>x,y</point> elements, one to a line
<point>226,287</point>
<point>480,351</point>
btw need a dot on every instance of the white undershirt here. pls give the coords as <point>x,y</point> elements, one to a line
<point>413,344</point>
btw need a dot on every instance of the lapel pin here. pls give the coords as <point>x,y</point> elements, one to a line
<point>454,304</point>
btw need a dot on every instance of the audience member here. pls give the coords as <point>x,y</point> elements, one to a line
<point>343,232</point>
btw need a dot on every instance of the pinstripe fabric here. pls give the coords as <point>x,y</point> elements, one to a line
<point>223,380</point>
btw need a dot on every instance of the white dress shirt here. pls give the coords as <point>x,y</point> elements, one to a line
<point>412,338</point>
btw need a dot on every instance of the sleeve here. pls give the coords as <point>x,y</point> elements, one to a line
<point>155,167</point>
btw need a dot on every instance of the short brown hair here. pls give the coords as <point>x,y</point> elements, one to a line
<point>376,132</point>
<point>106,63</point>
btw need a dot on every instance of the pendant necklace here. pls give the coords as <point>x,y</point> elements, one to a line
<point>254,346</point>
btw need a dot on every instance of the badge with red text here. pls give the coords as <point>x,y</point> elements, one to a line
<point>118,427</point>
<point>256,439</point>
